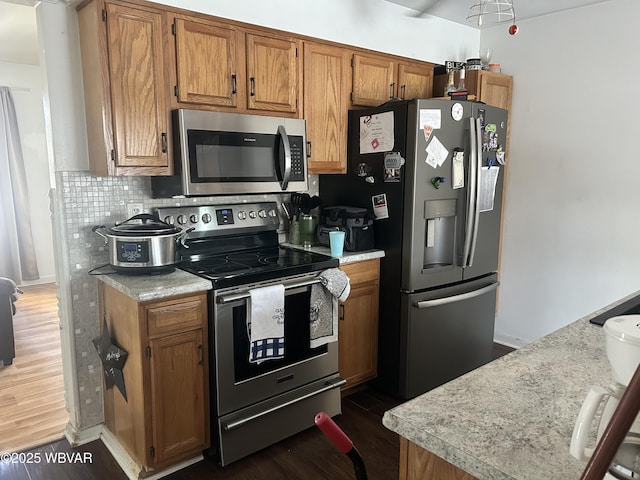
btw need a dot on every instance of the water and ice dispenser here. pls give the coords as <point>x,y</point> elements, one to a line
<point>440,234</point>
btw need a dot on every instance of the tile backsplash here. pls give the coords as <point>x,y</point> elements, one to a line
<point>84,202</point>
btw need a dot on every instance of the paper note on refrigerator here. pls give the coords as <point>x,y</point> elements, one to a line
<point>376,133</point>
<point>436,153</point>
<point>488,181</point>
<point>457,169</point>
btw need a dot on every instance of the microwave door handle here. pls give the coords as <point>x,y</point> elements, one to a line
<point>287,157</point>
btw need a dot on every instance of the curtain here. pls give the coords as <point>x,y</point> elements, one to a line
<point>17,252</point>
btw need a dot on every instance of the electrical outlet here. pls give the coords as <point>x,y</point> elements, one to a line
<point>134,209</point>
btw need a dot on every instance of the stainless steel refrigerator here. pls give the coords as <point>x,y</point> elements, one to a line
<point>432,171</point>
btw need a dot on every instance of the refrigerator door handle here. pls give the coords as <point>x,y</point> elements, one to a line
<point>476,220</point>
<point>471,206</point>
<point>457,298</point>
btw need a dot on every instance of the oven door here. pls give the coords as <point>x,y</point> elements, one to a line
<point>240,383</point>
<point>227,153</point>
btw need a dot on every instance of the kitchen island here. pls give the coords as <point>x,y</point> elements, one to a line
<point>511,419</point>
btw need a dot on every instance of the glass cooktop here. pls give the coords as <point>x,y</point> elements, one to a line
<point>247,267</point>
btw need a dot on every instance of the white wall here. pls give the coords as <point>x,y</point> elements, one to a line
<point>27,96</point>
<point>571,225</point>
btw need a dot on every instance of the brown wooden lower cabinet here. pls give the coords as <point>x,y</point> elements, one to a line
<point>165,417</point>
<point>358,324</point>
<point>416,463</point>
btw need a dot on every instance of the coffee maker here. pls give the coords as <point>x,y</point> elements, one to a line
<point>622,344</point>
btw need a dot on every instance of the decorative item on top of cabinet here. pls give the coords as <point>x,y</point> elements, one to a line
<point>358,324</point>
<point>126,98</point>
<point>379,78</point>
<point>165,418</point>
<point>326,99</point>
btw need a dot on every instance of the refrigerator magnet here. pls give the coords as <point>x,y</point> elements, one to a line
<point>380,209</point>
<point>457,111</point>
<point>392,163</point>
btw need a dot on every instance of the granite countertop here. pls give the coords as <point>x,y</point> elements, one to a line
<point>347,257</point>
<point>513,418</point>
<point>153,287</point>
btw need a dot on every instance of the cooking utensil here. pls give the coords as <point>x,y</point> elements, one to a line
<point>143,244</point>
<point>310,203</point>
<point>286,208</point>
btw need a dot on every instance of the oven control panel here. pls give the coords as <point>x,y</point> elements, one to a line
<point>224,219</point>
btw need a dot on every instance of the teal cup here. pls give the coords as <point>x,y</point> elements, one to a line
<point>336,243</point>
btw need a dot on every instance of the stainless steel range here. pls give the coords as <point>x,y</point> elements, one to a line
<point>255,405</point>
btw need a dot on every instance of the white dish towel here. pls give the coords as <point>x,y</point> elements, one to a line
<point>265,323</point>
<point>334,285</point>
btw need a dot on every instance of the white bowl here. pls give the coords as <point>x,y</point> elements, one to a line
<point>623,346</point>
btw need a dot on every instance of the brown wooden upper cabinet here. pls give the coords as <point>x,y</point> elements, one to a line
<point>272,73</point>
<point>222,66</point>
<point>488,87</point>
<point>125,88</point>
<point>379,78</point>
<point>207,63</point>
<point>327,75</point>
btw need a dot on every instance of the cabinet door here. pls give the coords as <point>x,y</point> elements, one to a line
<point>206,64</point>
<point>415,81</point>
<point>138,87</point>
<point>178,394</point>
<point>358,335</point>
<point>495,89</point>
<point>373,80</point>
<point>272,74</point>
<point>326,80</point>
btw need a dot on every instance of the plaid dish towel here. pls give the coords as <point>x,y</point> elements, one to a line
<point>265,323</point>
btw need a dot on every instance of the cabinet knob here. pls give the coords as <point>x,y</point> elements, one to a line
<point>201,348</point>
<point>252,81</point>
<point>164,142</point>
<point>391,88</point>
<point>309,149</point>
<point>404,88</point>
<point>341,314</point>
<point>234,82</point>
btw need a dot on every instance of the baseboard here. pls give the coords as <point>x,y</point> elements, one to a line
<point>80,437</point>
<point>39,281</point>
<point>131,468</point>
<point>509,341</point>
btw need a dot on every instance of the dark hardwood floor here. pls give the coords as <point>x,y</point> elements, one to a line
<point>307,455</point>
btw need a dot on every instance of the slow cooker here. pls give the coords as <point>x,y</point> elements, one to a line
<point>142,244</point>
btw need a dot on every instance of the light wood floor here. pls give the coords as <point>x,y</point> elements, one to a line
<point>32,406</point>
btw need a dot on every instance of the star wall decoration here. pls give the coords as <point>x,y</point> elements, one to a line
<point>113,359</point>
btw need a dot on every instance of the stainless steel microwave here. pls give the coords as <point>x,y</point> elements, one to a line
<point>218,153</point>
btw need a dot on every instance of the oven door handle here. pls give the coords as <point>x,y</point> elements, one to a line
<point>330,385</point>
<point>222,299</point>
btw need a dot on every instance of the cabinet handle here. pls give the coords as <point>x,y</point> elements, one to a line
<point>404,87</point>
<point>164,142</point>
<point>391,87</point>
<point>309,149</point>
<point>341,314</point>
<point>201,348</point>
<point>234,82</point>
<point>252,80</point>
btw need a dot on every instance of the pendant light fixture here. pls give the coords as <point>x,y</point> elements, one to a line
<point>488,12</point>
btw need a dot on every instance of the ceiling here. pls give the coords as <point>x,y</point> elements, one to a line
<point>457,10</point>
<point>19,40</point>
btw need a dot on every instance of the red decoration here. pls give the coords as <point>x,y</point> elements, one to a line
<point>513,29</point>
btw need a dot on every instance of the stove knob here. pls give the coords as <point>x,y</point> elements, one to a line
<point>169,219</point>
<point>182,219</point>
<point>273,213</point>
<point>262,214</point>
<point>206,218</point>
<point>242,215</point>
<point>194,218</point>
<point>252,214</point>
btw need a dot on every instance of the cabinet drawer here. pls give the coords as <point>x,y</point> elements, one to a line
<point>176,315</point>
<point>361,272</point>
